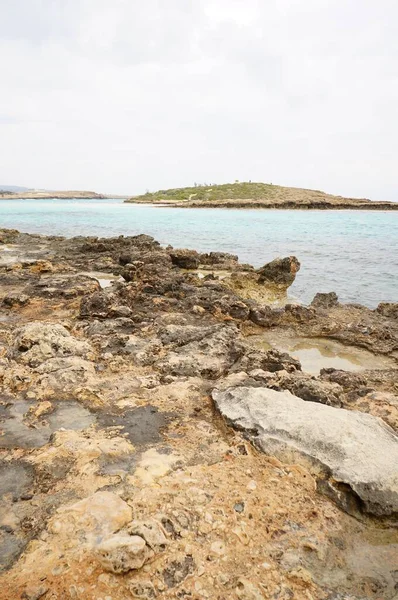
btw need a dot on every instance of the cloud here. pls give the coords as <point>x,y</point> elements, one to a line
<point>124,95</point>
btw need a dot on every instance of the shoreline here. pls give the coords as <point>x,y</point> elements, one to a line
<point>255,206</point>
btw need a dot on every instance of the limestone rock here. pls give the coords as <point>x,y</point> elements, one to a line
<point>62,286</point>
<point>36,342</point>
<point>15,300</point>
<point>180,335</point>
<point>220,260</point>
<point>151,531</point>
<point>350,448</point>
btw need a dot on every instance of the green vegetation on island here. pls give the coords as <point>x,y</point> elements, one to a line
<point>254,195</point>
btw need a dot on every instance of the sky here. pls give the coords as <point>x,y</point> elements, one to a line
<point>125,96</point>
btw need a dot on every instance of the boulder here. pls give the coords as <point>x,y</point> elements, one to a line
<point>185,259</point>
<point>350,450</point>
<point>280,272</point>
<point>122,553</point>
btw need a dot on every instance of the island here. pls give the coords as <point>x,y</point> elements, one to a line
<point>256,195</point>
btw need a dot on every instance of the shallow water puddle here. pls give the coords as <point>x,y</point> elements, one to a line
<point>15,478</point>
<point>141,425</point>
<point>17,432</point>
<point>315,354</point>
<point>104,279</point>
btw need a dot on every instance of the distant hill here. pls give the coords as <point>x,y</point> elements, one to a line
<point>13,188</point>
<point>256,195</point>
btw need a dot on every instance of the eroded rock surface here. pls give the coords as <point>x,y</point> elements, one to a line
<point>119,479</point>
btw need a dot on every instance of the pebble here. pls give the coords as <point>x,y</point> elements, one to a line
<point>239,507</point>
<point>252,485</point>
<point>218,547</point>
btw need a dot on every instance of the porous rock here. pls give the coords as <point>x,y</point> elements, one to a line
<point>209,357</point>
<point>388,309</point>
<point>325,300</point>
<point>185,259</point>
<point>122,553</point>
<point>37,342</point>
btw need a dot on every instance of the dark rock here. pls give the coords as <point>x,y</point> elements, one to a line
<point>63,286</point>
<point>16,300</point>
<point>312,390</point>
<point>388,309</point>
<point>280,272</point>
<point>176,572</point>
<point>185,259</point>
<point>97,305</point>
<point>265,316</point>
<point>296,313</point>
<point>325,300</point>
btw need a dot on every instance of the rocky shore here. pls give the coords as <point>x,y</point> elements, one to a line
<point>154,445</point>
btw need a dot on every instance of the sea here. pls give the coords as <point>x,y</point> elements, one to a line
<point>353,253</point>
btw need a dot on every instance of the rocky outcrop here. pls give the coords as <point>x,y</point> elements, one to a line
<point>281,272</point>
<point>344,448</point>
<point>185,259</point>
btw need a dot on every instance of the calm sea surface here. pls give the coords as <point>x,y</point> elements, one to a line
<point>354,253</point>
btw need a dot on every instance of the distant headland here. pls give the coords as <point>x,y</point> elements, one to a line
<point>13,192</point>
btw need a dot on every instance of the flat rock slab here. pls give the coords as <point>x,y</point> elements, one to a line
<point>344,447</point>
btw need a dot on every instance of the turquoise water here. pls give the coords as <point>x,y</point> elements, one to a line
<point>354,253</point>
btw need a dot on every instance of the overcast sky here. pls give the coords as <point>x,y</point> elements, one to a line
<point>121,96</point>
